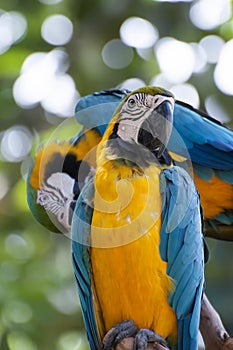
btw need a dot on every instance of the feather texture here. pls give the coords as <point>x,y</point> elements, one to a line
<point>181,247</point>
<point>147,252</point>
<point>195,135</point>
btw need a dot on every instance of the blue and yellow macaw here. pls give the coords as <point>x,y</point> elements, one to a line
<point>137,235</point>
<point>56,177</point>
<point>197,136</point>
<point>207,142</point>
<point>60,170</point>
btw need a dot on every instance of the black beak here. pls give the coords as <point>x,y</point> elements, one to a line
<point>155,131</point>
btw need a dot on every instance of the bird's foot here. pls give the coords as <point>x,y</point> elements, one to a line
<point>117,333</point>
<point>145,336</point>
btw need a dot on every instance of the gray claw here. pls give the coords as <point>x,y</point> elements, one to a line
<point>118,332</point>
<point>145,336</point>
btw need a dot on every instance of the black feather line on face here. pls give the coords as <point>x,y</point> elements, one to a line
<point>114,132</point>
<point>76,169</point>
<point>137,154</point>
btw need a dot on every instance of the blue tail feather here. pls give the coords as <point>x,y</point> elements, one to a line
<point>186,342</point>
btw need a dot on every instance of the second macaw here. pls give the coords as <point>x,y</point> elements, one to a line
<point>137,237</point>
<point>196,136</point>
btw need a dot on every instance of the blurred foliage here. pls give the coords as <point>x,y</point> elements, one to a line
<point>39,307</point>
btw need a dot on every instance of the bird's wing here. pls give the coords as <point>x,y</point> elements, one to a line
<point>210,146</point>
<point>96,110</point>
<point>207,142</point>
<point>182,247</point>
<point>80,233</point>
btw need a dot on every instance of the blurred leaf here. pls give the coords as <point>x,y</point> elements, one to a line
<point>72,341</point>
<point>19,199</point>
<point>11,61</point>
<point>17,340</point>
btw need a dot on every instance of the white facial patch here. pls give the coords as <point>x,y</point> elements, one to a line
<point>64,182</point>
<point>57,196</point>
<point>135,111</point>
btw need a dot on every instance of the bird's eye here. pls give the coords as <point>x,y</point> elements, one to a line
<point>43,198</point>
<point>131,103</point>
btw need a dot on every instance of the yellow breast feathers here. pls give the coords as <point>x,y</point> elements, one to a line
<point>129,275</point>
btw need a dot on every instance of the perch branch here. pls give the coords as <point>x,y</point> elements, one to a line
<point>213,332</point>
<point>225,233</point>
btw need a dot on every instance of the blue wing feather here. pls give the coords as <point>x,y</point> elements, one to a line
<point>207,142</point>
<point>181,246</point>
<point>80,231</point>
<point>96,110</point>
<point>226,176</point>
<point>224,218</point>
<point>203,172</point>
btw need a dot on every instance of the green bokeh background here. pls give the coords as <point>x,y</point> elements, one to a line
<point>39,307</point>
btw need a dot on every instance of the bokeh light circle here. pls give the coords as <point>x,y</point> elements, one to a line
<point>209,14</point>
<point>161,80</point>
<point>57,30</point>
<point>50,2</point>
<point>116,55</point>
<point>215,109</point>
<point>16,143</point>
<point>138,32</point>
<point>200,58</point>
<point>61,97</point>
<point>223,73</point>
<point>4,185</point>
<point>132,84</point>
<point>19,247</point>
<point>176,59</point>
<point>186,93</point>
<point>17,312</point>
<point>212,45</point>
<point>44,80</point>
<point>174,0</point>
<point>13,26</point>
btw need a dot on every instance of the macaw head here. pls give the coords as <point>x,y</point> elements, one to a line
<point>141,123</point>
<point>55,179</point>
